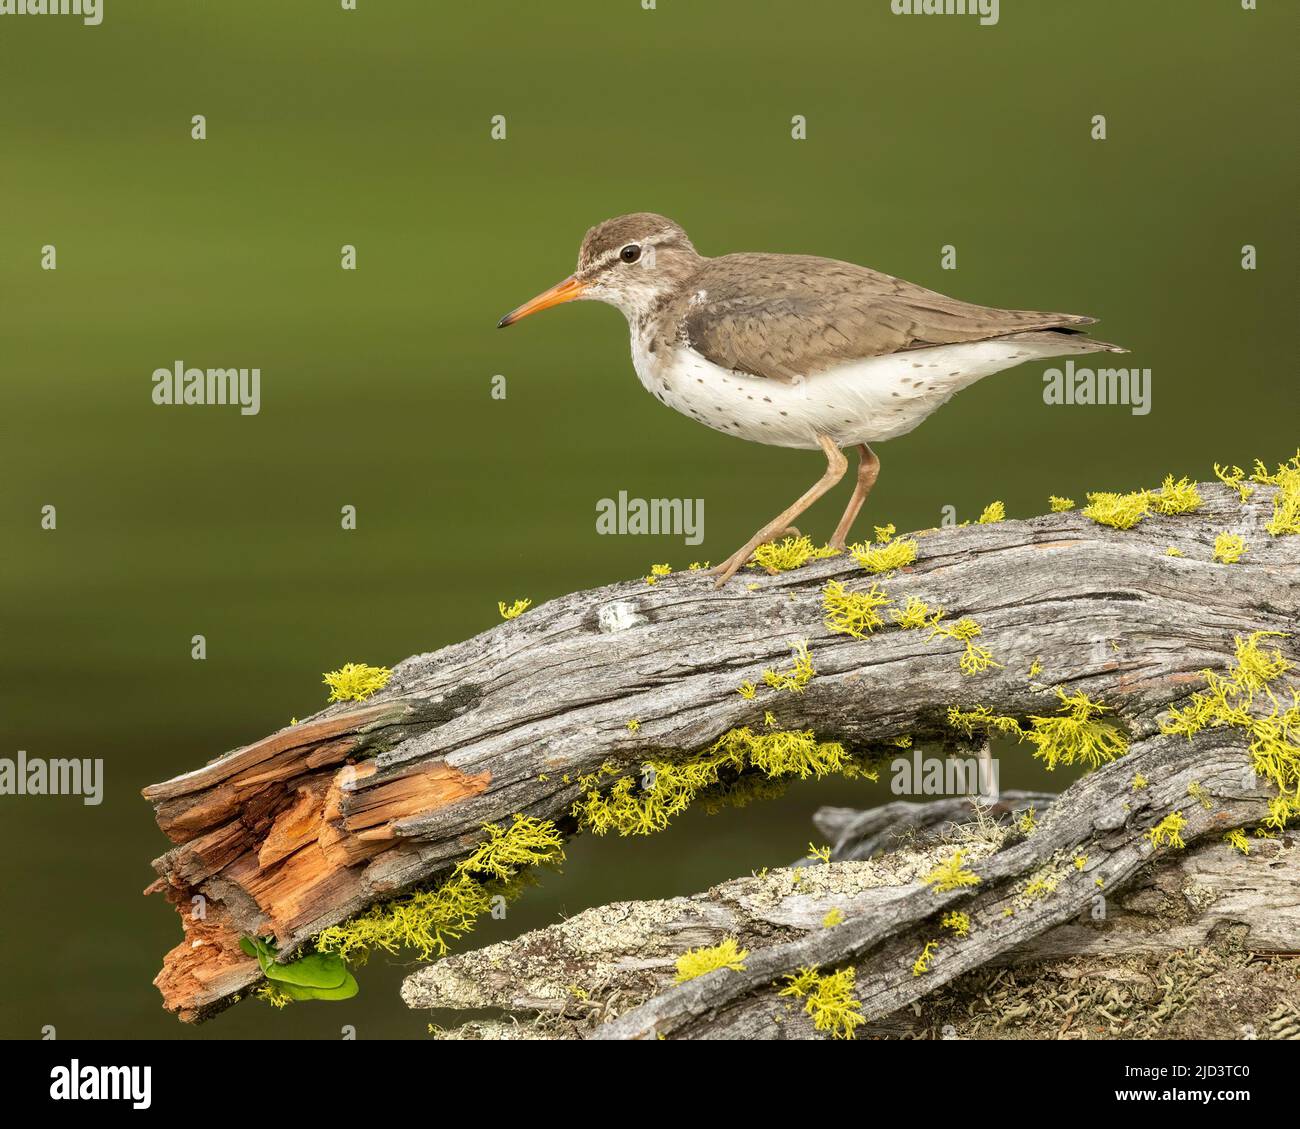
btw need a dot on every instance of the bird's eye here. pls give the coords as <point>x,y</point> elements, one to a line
<point>630,253</point>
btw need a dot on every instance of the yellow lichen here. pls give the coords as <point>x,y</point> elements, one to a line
<point>1076,737</point>
<point>798,676</point>
<point>886,557</point>
<point>1042,884</point>
<point>993,512</point>
<point>1179,497</point>
<point>1197,791</point>
<point>853,613</point>
<point>834,917</point>
<point>1235,478</point>
<point>355,682</point>
<point>958,922</point>
<point>1230,701</point>
<point>273,995</point>
<point>427,920</point>
<point>1027,822</point>
<point>747,690</point>
<point>1228,548</point>
<point>1124,511</point>
<point>642,805</point>
<point>633,725</point>
<point>698,962</point>
<point>1060,505</point>
<point>1036,667</point>
<point>921,965</point>
<point>821,853</point>
<point>976,657</point>
<point>657,572</point>
<point>1285,520</point>
<point>951,875</point>
<point>1237,839</point>
<point>829,1000</point>
<point>916,614</point>
<point>984,719</point>
<point>1120,511</point>
<point>1172,551</point>
<point>790,553</point>
<point>1139,781</point>
<point>1168,831</point>
<point>515,610</point>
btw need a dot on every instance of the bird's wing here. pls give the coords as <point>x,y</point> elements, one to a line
<point>788,317</point>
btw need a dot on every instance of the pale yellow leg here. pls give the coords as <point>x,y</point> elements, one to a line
<point>868,471</point>
<point>836,465</point>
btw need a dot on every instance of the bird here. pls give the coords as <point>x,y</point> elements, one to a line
<point>797,351</point>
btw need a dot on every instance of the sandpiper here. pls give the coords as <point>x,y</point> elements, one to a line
<point>795,350</point>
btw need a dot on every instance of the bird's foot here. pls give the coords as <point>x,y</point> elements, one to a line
<point>734,563</point>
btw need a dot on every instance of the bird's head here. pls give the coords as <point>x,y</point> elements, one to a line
<point>631,262</point>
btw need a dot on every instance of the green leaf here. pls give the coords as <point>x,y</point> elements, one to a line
<point>318,970</point>
<point>344,991</point>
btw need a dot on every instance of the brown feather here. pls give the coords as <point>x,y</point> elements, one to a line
<point>790,316</point>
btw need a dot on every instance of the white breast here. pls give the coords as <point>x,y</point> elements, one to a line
<point>861,402</point>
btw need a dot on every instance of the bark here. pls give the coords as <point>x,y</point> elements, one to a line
<point>310,825</point>
<point>564,981</point>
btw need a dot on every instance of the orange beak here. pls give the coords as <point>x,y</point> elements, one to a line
<point>557,295</point>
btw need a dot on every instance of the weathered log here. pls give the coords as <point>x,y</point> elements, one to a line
<point>318,821</point>
<point>563,981</point>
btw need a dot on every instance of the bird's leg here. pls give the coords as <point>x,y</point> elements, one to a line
<point>778,535</point>
<point>868,470</point>
<point>836,465</point>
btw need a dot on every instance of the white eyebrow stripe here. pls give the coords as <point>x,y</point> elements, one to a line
<point>655,240</point>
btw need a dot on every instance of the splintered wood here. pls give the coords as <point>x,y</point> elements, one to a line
<point>271,834</point>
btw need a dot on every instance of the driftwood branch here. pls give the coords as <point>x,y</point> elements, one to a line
<point>565,980</point>
<point>318,821</point>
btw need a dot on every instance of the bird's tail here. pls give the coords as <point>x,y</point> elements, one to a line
<point>1064,341</point>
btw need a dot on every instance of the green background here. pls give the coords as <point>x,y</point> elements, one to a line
<point>328,127</point>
